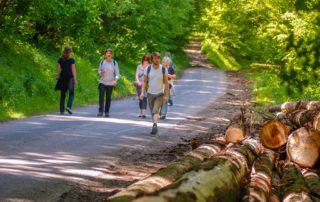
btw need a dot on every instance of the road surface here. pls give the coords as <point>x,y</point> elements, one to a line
<point>41,156</point>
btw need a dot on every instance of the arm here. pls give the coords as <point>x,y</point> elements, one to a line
<point>143,87</point>
<point>117,73</point>
<point>58,71</point>
<point>74,73</point>
<point>166,89</point>
<point>172,76</point>
<point>100,70</point>
<point>137,74</point>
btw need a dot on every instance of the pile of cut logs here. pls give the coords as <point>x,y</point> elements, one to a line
<point>263,156</point>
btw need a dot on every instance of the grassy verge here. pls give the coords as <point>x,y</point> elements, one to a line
<point>27,79</point>
<point>266,86</point>
<point>269,90</point>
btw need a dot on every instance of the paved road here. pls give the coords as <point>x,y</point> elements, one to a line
<point>40,156</point>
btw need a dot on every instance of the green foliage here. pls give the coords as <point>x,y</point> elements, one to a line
<point>33,33</point>
<point>281,34</point>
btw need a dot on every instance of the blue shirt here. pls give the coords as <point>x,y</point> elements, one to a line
<point>170,70</point>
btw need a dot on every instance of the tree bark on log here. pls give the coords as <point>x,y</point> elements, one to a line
<point>218,179</point>
<point>313,181</point>
<point>285,107</point>
<point>294,186</point>
<point>274,134</point>
<point>288,107</point>
<point>303,147</point>
<point>260,187</point>
<point>303,117</point>
<point>167,175</point>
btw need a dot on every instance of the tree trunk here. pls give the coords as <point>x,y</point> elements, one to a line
<point>303,147</point>
<point>218,179</point>
<point>288,107</point>
<point>294,187</point>
<point>306,117</point>
<point>313,181</point>
<point>168,175</point>
<point>285,107</point>
<point>274,134</point>
<point>260,187</point>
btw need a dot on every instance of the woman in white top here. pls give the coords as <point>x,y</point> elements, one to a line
<point>145,61</point>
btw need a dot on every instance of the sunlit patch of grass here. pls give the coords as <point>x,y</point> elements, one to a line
<point>16,115</point>
<point>219,59</point>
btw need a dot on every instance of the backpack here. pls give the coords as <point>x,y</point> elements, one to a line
<point>163,71</point>
<point>114,64</point>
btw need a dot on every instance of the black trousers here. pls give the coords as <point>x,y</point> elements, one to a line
<point>63,96</point>
<point>105,91</point>
<point>142,103</point>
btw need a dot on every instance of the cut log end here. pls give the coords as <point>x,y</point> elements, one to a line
<point>235,134</point>
<point>274,134</point>
<point>303,147</point>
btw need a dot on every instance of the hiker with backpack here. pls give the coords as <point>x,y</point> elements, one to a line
<point>138,83</point>
<point>66,79</point>
<point>171,75</point>
<point>156,80</point>
<point>109,76</point>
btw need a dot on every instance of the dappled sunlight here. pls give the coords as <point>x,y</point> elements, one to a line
<point>192,51</point>
<point>18,200</point>
<point>65,167</point>
<point>202,87</point>
<point>196,81</point>
<point>86,150</point>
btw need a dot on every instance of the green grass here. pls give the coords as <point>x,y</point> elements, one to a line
<point>218,58</point>
<point>269,90</point>
<point>266,85</point>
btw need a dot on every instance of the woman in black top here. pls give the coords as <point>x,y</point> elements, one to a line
<point>67,79</point>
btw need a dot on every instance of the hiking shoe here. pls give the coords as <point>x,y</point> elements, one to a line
<point>107,115</point>
<point>163,117</point>
<point>154,129</point>
<point>100,114</point>
<point>68,110</point>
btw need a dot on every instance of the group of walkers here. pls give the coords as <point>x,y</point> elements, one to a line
<point>154,84</point>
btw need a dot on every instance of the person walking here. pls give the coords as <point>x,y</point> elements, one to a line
<point>67,79</point>
<point>171,69</point>
<point>156,78</point>
<point>139,81</point>
<point>171,75</point>
<point>109,76</point>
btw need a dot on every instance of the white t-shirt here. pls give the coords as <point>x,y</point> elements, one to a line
<point>112,72</point>
<point>155,83</point>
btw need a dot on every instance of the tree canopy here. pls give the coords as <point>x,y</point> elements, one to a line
<point>282,34</point>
